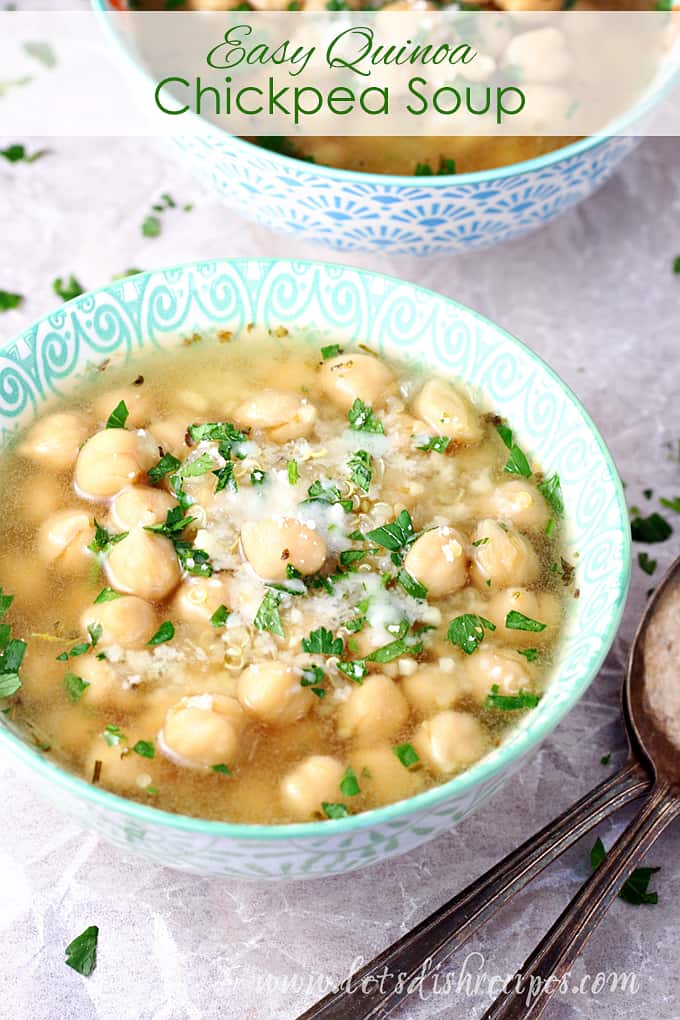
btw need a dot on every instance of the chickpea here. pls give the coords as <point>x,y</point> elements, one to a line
<point>171,433</point>
<point>136,399</point>
<point>283,416</point>
<point>376,710</point>
<point>518,502</point>
<point>542,606</point>
<point>355,376</point>
<point>203,730</point>
<point>143,564</point>
<point>503,556</point>
<point>197,598</point>
<point>106,689</point>
<point>438,560</point>
<point>431,690</point>
<point>54,441</point>
<point>382,777</point>
<point>112,459</point>
<point>63,540</point>
<point>270,545</point>
<point>273,694</point>
<point>447,413</point>
<point>140,505</point>
<point>311,783</point>
<point>450,741</point>
<point>128,621</point>
<point>501,666</point>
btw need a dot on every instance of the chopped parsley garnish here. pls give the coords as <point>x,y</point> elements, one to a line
<point>330,351</point>
<point>530,654</point>
<point>175,522</point>
<point>362,418</point>
<point>9,300</point>
<point>551,490</point>
<point>10,683</point>
<point>334,811</point>
<point>634,889</point>
<point>351,556</point>
<point>654,528</point>
<point>18,154</point>
<point>217,432</point>
<point>397,535</point>
<point>467,631</point>
<point>518,621</point>
<point>646,563</point>
<point>550,527</point>
<point>355,670</point>
<point>145,748</point>
<point>293,472</point>
<point>225,478</point>
<point>113,735</point>
<point>219,617</point>
<point>481,541</point>
<point>12,653</point>
<point>268,616</point>
<point>118,416</point>
<point>407,755</point>
<point>517,463</point>
<point>165,632</point>
<point>81,954</point>
<point>107,595</point>
<point>167,465</point>
<point>75,686</point>
<point>322,642</point>
<point>67,289</point>
<point>361,469</point>
<point>446,166</point>
<point>329,494</point>
<point>404,644</point>
<point>510,702</point>
<point>103,540</point>
<point>195,561</point>
<point>94,631</point>
<point>349,784</point>
<point>258,477</point>
<point>438,444</point>
<point>223,770</point>
<point>410,585</point>
<point>313,676</point>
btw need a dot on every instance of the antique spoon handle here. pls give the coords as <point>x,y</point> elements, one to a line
<point>537,981</point>
<point>371,993</point>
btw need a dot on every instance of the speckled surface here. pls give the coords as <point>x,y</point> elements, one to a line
<point>595,295</point>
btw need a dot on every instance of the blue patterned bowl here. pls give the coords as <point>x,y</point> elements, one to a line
<point>152,311</point>
<point>352,211</point>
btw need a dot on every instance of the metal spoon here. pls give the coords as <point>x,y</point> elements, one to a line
<point>382,984</point>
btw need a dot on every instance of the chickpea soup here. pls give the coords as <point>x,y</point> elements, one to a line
<point>259,579</point>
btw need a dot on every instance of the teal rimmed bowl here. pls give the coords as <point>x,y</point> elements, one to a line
<point>354,211</point>
<point>152,312</point>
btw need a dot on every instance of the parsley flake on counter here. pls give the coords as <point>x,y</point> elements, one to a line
<point>605,759</point>
<point>361,469</point>
<point>151,226</point>
<point>362,418</point>
<point>334,811</point>
<point>219,617</point>
<point>467,631</point>
<point>439,444</point>
<point>107,595</point>
<point>407,755</point>
<point>510,702</point>
<point>649,530</point>
<point>268,616</point>
<point>518,621</point>
<point>676,264</point>
<point>9,300</point>
<point>635,888</point>
<point>103,539</point>
<point>517,463</point>
<point>17,154</point>
<point>118,416</point>
<point>646,563</point>
<point>322,642</point>
<point>75,686</point>
<point>331,351</point>
<point>81,953</point>
<point>671,504</point>
<point>67,289</point>
<point>165,632</point>
<point>43,52</point>
<point>349,784</point>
